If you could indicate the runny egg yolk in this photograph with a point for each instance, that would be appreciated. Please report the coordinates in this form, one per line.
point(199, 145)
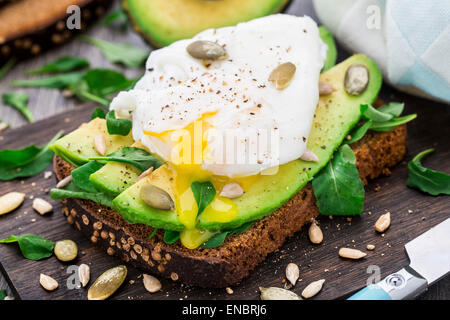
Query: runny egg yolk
point(184, 168)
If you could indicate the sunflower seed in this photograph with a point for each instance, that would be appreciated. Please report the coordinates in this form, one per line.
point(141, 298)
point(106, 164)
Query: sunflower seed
point(64, 182)
point(156, 197)
point(274, 293)
point(325, 88)
point(47, 282)
point(232, 190)
point(383, 222)
point(84, 274)
point(356, 79)
point(3, 126)
point(315, 233)
point(151, 284)
point(370, 247)
point(312, 289)
point(100, 144)
point(309, 156)
point(351, 253)
point(206, 50)
point(66, 250)
point(292, 273)
point(108, 282)
point(42, 206)
point(145, 173)
point(282, 75)
point(11, 201)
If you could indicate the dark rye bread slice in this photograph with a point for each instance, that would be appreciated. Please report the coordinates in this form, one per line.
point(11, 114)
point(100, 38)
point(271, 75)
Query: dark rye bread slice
point(228, 264)
point(29, 27)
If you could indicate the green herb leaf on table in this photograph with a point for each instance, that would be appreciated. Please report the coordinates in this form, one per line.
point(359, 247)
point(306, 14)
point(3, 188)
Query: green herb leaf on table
point(33, 247)
point(170, 237)
point(427, 180)
point(98, 113)
point(25, 162)
point(81, 175)
point(7, 66)
point(337, 187)
point(63, 64)
point(18, 101)
point(72, 191)
point(123, 53)
point(117, 126)
point(204, 193)
point(118, 16)
point(137, 157)
point(2, 294)
point(60, 81)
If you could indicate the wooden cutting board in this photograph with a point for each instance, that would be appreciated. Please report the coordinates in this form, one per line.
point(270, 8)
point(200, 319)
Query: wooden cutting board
point(412, 213)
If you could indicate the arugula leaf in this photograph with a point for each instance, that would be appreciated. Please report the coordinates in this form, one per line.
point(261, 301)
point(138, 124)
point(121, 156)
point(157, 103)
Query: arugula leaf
point(2, 294)
point(81, 90)
point(33, 247)
point(18, 101)
point(60, 81)
point(105, 81)
point(63, 64)
point(98, 113)
point(427, 180)
point(337, 187)
point(137, 157)
point(204, 193)
point(116, 16)
point(81, 175)
point(117, 126)
point(7, 66)
point(391, 124)
point(220, 237)
point(170, 237)
point(393, 108)
point(370, 113)
point(359, 132)
point(126, 54)
point(25, 162)
point(73, 191)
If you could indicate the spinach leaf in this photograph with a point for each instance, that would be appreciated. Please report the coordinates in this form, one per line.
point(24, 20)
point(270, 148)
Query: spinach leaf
point(18, 101)
point(370, 113)
point(204, 193)
point(117, 126)
point(118, 16)
point(105, 81)
point(2, 294)
point(6, 67)
point(98, 113)
point(33, 247)
point(25, 162)
point(170, 237)
point(359, 132)
point(137, 157)
point(60, 81)
point(81, 175)
point(220, 237)
point(73, 191)
point(391, 124)
point(126, 54)
point(427, 180)
point(63, 64)
point(337, 187)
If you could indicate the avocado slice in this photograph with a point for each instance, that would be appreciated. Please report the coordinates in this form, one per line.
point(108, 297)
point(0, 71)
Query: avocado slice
point(328, 39)
point(78, 146)
point(335, 116)
point(162, 22)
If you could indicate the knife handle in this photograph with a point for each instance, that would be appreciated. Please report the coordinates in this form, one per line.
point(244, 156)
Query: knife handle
point(402, 285)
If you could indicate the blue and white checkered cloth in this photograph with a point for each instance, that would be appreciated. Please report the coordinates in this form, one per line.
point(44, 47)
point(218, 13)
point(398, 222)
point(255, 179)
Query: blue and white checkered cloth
point(409, 39)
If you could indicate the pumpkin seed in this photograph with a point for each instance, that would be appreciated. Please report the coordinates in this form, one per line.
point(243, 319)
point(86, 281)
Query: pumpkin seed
point(274, 293)
point(309, 156)
point(156, 197)
point(84, 274)
point(315, 233)
point(206, 50)
point(42, 206)
point(66, 250)
point(292, 273)
point(47, 282)
point(356, 79)
point(282, 75)
point(383, 222)
point(232, 190)
point(353, 254)
point(11, 201)
point(151, 284)
point(108, 282)
point(312, 289)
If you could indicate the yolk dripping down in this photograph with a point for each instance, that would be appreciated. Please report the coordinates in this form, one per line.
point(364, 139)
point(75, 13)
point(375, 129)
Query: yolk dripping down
point(184, 168)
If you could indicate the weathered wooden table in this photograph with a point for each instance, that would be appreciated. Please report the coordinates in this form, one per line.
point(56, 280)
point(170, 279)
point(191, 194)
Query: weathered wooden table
point(44, 103)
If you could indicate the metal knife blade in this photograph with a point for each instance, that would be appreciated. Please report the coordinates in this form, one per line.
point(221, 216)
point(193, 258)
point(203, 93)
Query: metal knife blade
point(429, 253)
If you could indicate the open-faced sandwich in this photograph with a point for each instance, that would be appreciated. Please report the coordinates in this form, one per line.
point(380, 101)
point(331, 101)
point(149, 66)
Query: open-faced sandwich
point(229, 144)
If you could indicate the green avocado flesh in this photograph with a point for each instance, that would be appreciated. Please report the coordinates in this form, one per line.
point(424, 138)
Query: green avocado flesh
point(162, 22)
point(114, 177)
point(78, 146)
point(328, 39)
point(335, 116)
